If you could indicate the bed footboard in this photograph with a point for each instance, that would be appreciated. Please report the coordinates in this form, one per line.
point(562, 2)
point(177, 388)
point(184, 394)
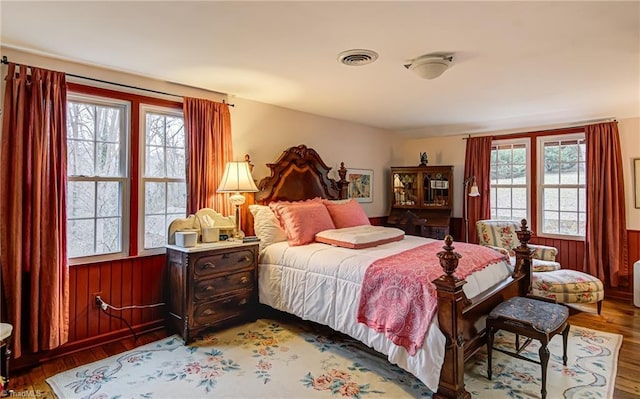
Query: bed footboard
point(458, 316)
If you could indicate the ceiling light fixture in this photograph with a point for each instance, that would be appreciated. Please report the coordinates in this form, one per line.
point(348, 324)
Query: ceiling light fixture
point(357, 57)
point(430, 66)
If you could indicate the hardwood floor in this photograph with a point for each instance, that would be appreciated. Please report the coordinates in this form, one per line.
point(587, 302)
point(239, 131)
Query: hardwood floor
point(617, 317)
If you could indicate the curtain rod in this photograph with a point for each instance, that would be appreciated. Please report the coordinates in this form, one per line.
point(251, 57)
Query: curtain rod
point(572, 126)
point(6, 62)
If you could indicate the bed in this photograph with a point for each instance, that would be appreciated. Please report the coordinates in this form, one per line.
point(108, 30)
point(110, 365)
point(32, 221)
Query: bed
point(322, 283)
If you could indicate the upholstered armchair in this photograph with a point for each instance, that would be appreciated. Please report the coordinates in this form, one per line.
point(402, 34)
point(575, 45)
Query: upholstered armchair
point(501, 236)
point(549, 280)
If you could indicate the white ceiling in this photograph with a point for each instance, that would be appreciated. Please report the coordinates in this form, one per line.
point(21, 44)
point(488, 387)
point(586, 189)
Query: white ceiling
point(517, 64)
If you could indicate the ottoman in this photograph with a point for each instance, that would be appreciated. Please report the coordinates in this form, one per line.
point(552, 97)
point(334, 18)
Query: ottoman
point(568, 286)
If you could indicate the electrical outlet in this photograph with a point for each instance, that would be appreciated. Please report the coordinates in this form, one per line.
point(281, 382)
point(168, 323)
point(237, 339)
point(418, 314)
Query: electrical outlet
point(97, 303)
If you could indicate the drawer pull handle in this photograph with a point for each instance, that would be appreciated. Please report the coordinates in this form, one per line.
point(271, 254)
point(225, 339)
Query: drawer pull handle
point(208, 312)
point(207, 265)
point(243, 302)
point(209, 288)
point(226, 301)
point(244, 280)
point(245, 258)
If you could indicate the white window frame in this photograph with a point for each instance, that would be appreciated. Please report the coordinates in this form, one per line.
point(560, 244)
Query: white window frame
point(123, 179)
point(527, 185)
point(144, 109)
point(541, 186)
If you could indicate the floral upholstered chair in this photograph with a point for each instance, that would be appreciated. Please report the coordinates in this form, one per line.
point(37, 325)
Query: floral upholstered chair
point(548, 279)
point(501, 236)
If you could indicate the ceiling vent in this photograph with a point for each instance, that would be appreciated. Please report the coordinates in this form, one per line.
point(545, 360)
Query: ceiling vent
point(357, 57)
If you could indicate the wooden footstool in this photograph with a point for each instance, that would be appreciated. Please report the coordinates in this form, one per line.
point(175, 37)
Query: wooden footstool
point(538, 319)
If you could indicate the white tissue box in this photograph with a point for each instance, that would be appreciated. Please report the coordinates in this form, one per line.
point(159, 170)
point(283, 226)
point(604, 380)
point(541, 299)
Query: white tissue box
point(186, 238)
point(210, 234)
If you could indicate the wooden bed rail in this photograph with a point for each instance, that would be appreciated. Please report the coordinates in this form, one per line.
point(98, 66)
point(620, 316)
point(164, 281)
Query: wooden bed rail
point(458, 317)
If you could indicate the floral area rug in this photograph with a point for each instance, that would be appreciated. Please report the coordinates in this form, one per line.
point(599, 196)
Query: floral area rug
point(269, 359)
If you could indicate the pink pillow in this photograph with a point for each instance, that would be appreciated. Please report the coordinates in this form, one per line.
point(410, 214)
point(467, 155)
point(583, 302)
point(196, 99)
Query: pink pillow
point(302, 220)
point(347, 214)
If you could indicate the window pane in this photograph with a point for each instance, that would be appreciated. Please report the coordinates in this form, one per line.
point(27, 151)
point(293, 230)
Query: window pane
point(175, 132)
point(568, 199)
point(177, 198)
point(154, 162)
point(107, 159)
point(155, 198)
point(155, 130)
point(80, 199)
point(550, 221)
point(109, 124)
point(109, 198)
point(519, 198)
point(519, 214)
point(107, 235)
point(503, 197)
point(80, 121)
point(550, 199)
point(79, 158)
point(503, 214)
point(155, 231)
point(176, 163)
point(568, 223)
point(80, 237)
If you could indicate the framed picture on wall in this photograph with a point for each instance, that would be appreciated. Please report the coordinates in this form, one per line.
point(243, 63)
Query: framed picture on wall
point(360, 184)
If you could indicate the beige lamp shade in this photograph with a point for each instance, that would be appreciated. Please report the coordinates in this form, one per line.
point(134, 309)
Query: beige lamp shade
point(237, 179)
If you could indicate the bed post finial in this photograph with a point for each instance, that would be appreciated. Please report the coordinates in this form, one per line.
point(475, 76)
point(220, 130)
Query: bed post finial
point(343, 184)
point(524, 255)
point(449, 258)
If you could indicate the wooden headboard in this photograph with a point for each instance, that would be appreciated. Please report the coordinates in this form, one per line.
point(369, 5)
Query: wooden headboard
point(301, 174)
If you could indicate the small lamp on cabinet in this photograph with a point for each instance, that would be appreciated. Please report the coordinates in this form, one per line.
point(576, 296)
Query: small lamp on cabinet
point(237, 179)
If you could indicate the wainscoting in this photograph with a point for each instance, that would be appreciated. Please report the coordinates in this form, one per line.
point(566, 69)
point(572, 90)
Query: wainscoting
point(137, 281)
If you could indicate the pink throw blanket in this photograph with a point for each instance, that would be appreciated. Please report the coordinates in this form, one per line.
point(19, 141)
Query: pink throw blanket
point(398, 296)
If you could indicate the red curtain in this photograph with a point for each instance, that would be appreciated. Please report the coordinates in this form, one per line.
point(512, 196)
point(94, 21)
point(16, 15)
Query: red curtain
point(477, 163)
point(209, 148)
point(35, 274)
point(606, 235)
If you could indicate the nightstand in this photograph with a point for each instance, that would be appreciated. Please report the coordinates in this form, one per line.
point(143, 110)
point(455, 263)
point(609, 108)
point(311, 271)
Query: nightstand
point(211, 285)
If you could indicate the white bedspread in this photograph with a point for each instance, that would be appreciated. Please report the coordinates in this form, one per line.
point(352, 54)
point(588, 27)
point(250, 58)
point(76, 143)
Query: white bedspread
point(321, 283)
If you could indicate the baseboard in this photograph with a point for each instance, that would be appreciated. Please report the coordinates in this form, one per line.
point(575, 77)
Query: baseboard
point(33, 359)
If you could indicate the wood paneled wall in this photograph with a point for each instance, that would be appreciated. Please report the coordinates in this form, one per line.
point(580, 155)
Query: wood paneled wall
point(138, 281)
point(126, 282)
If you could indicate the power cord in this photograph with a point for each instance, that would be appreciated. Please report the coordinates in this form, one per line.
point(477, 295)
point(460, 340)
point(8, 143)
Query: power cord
point(104, 306)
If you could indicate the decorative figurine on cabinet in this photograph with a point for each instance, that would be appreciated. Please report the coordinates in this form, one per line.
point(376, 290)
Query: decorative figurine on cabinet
point(423, 159)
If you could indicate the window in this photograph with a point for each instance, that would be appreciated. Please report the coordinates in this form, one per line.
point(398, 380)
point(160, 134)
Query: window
point(97, 175)
point(562, 176)
point(163, 174)
point(510, 179)
point(126, 178)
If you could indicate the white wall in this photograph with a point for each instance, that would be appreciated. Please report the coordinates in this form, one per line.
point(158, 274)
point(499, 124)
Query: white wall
point(261, 130)
point(450, 150)
point(264, 131)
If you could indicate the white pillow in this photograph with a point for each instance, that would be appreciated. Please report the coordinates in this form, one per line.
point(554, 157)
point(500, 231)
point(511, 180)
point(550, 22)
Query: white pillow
point(266, 226)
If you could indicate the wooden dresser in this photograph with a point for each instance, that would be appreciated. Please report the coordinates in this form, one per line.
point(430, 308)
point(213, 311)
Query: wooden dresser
point(211, 285)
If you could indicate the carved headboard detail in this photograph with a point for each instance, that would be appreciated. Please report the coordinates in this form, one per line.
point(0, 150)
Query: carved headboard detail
point(301, 174)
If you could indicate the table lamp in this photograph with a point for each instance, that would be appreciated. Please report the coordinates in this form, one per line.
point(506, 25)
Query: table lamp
point(237, 179)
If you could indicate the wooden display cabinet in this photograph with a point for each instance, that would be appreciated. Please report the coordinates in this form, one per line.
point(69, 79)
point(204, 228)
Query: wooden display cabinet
point(422, 200)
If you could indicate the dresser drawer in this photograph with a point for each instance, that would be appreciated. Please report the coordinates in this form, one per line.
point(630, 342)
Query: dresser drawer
point(210, 288)
point(224, 262)
point(223, 309)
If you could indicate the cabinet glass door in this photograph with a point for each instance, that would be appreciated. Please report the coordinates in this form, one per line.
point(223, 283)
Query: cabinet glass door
point(436, 189)
point(405, 189)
